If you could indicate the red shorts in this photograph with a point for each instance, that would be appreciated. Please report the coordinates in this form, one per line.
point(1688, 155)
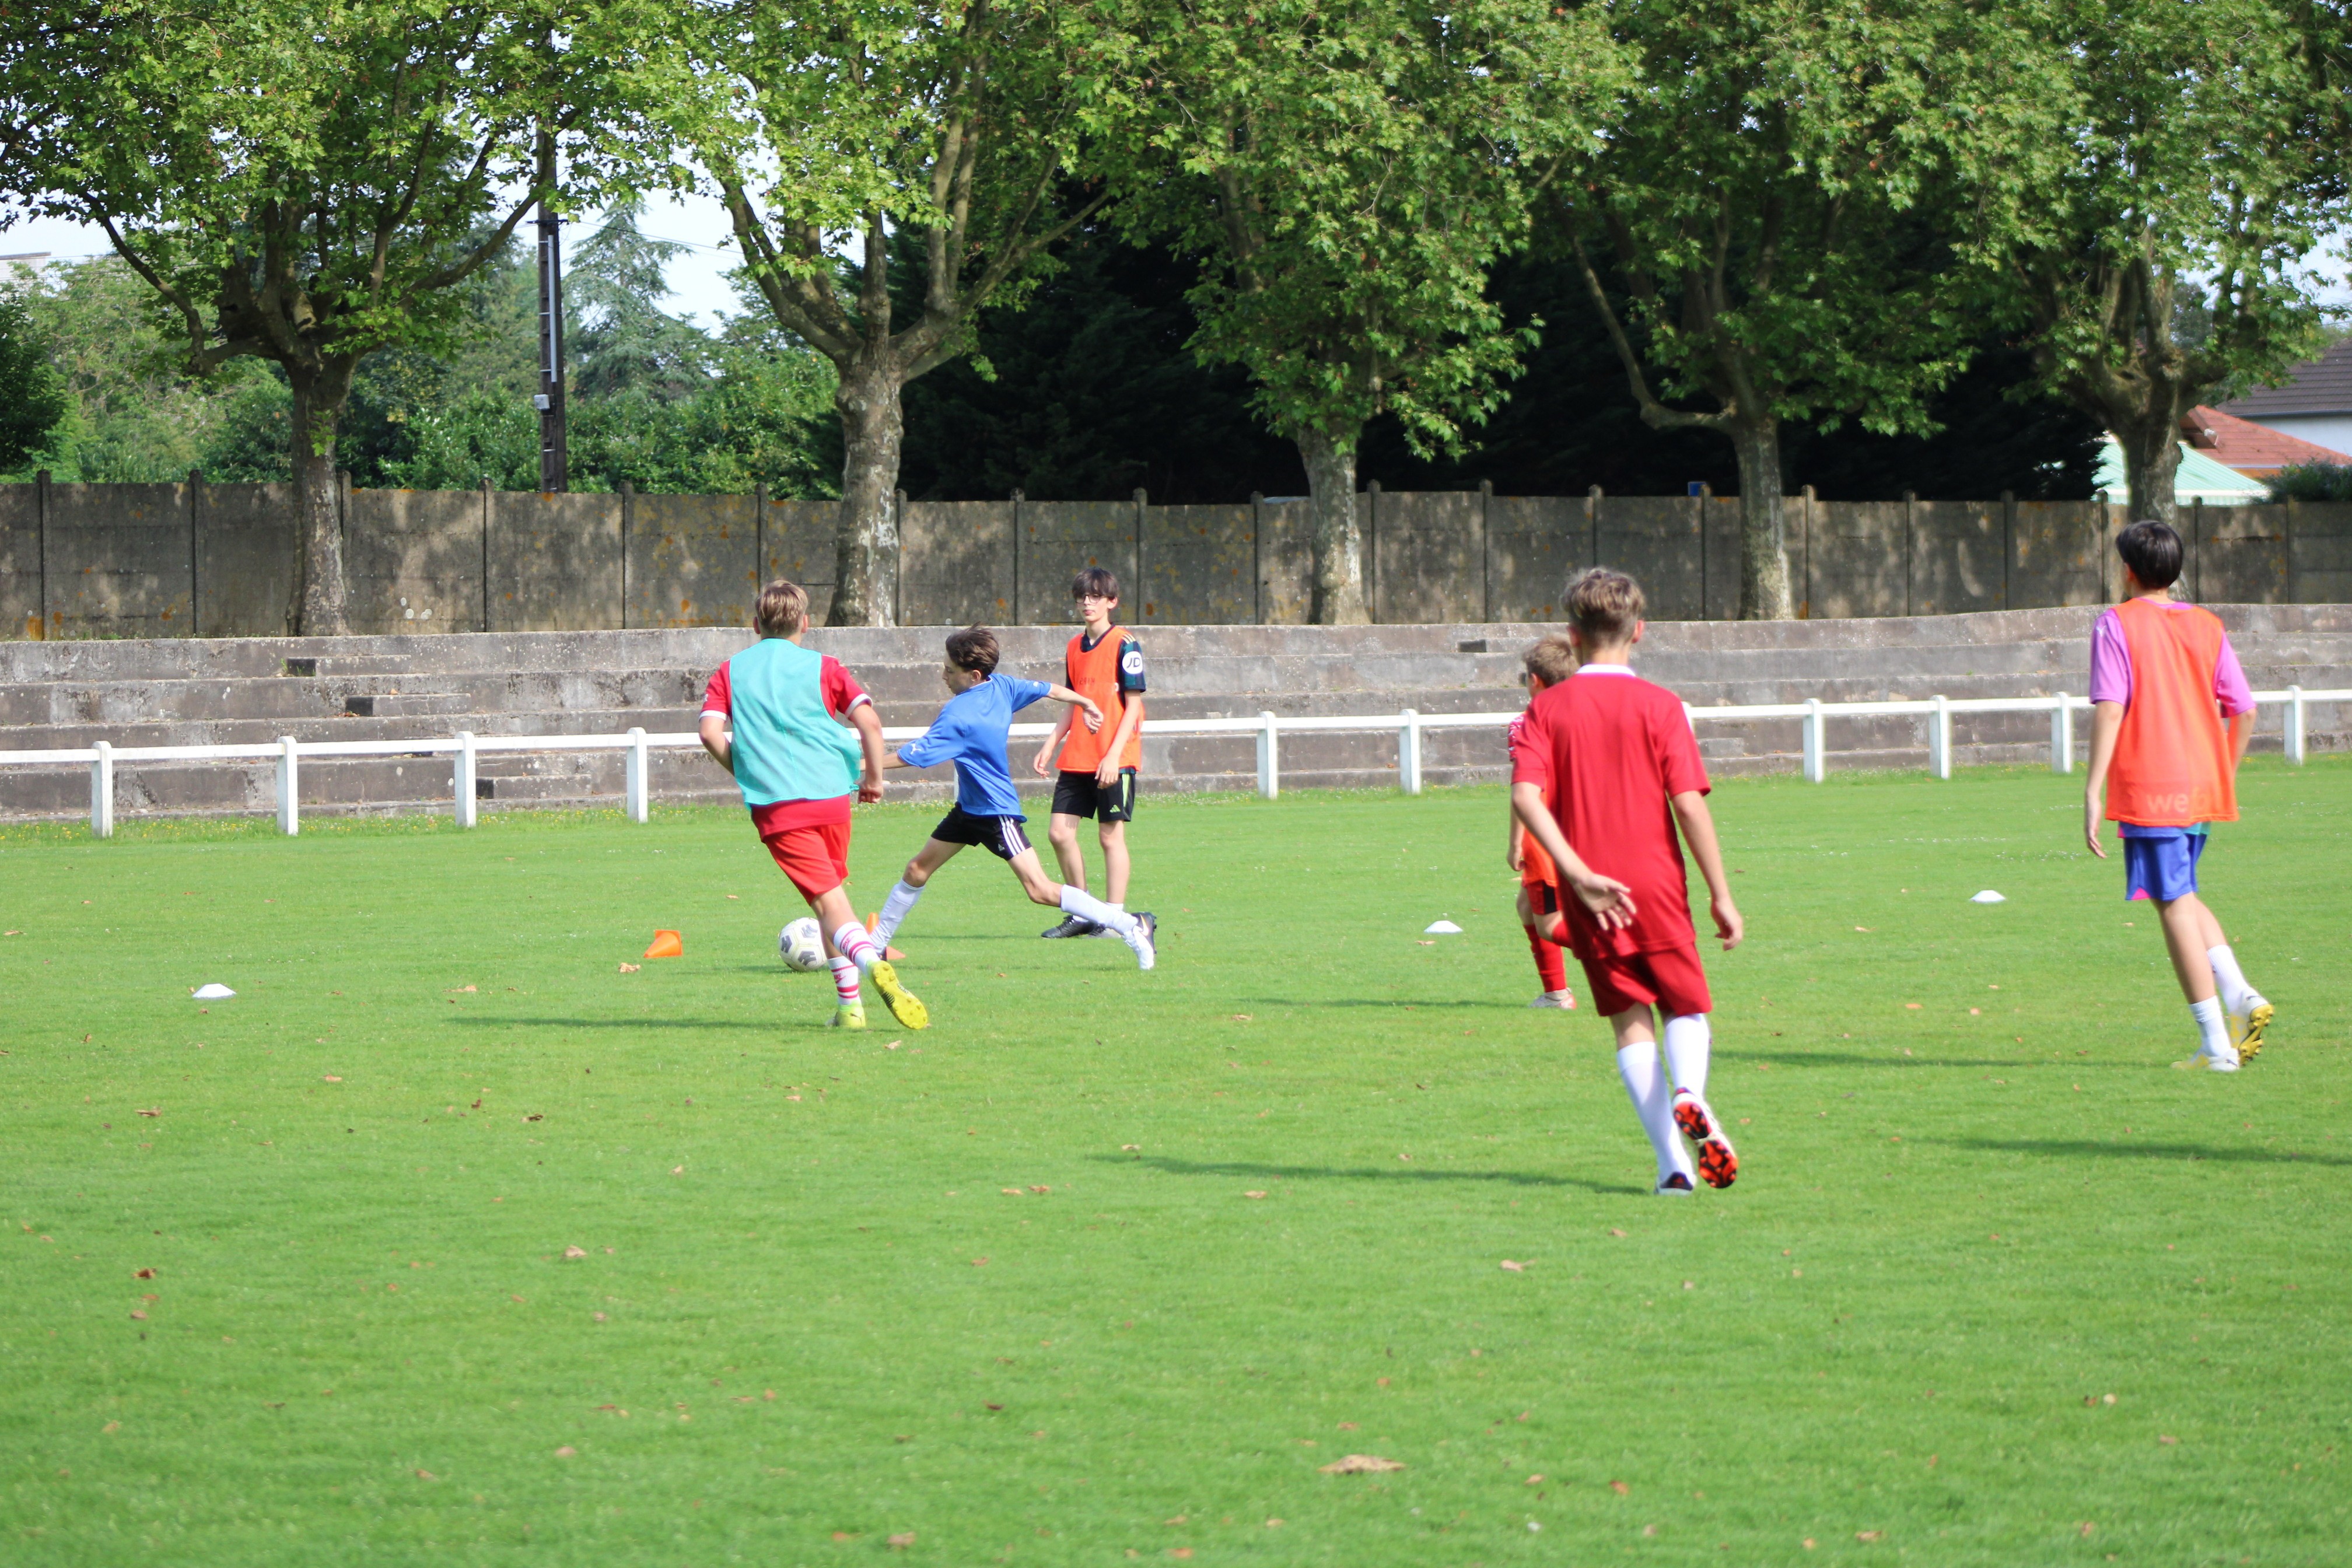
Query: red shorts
point(1543, 898)
point(815, 858)
point(1671, 978)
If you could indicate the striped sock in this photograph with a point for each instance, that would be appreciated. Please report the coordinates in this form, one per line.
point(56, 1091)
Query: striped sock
point(845, 982)
point(861, 950)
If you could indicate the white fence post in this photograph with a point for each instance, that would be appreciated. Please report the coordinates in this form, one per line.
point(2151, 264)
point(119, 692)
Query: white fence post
point(2062, 735)
point(290, 819)
point(2295, 719)
point(101, 792)
point(1270, 758)
point(464, 778)
point(1409, 751)
point(1939, 738)
point(638, 791)
point(1816, 761)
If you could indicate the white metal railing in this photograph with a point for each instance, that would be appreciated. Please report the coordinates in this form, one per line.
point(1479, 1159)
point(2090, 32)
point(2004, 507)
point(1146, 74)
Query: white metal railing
point(466, 747)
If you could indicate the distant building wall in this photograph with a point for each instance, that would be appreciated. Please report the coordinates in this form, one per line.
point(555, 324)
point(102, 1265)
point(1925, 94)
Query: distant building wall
point(206, 560)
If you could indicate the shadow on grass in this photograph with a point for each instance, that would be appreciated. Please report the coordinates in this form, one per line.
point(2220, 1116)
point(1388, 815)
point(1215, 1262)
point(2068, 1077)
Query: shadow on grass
point(1248, 1168)
point(1857, 1060)
point(2088, 1149)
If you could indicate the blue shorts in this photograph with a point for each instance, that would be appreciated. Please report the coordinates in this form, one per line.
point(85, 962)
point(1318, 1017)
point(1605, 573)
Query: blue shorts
point(2161, 865)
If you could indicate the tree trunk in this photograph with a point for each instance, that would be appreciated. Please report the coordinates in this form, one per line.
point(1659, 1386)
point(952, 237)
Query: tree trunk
point(865, 548)
point(2151, 448)
point(1765, 592)
point(321, 602)
point(1341, 598)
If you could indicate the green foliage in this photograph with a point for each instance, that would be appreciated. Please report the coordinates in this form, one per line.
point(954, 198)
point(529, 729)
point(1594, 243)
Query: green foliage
point(2192, 157)
point(1346, 175)
point(32, 397)
point(619, 338)
point(2312, 482)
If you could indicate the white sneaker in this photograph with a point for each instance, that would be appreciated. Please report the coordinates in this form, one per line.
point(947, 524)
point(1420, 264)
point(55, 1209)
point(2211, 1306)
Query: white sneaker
point(2206, 1061)
point(1563, 1000)
point(1139, 942)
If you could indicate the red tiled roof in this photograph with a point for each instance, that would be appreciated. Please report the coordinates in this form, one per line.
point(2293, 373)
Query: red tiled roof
point(2251, 449)
point(2322, 385)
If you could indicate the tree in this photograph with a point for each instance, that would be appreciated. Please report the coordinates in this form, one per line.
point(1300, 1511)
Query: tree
point(1781, 200)
point(824, 121)
point(621, 337)
point(2196, 160)
point(308, 184)
point(1345, 174)
point(32, 395)
point(1092, 394)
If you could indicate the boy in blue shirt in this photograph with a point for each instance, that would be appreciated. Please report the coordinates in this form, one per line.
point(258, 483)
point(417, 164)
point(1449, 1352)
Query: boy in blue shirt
point(970, 732)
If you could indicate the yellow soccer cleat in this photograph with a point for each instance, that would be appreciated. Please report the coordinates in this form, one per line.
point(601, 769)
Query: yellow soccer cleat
point(849, 1015)
point(903, 1004)
point(2247, 1034)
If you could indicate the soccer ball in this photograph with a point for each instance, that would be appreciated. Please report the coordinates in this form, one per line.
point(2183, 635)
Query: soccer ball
point(802, 947)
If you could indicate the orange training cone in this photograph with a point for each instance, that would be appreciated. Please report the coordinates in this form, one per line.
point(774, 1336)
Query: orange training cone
point(666, 945)
point(889, 955)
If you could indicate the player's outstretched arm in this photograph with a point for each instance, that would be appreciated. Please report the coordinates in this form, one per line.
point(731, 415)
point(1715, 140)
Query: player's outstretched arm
point(869, 725)
point(1081, 701)
point(713, 731)
point(1610, 900)
point(2106, 723)
point(1697, 824)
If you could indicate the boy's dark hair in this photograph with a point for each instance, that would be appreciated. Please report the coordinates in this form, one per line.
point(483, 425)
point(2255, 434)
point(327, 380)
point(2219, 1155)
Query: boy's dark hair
point(2152, 550)
point(782, 608)
point(1604, 605)
point(973, 648)
point(1551, 660)
point(1099, 580)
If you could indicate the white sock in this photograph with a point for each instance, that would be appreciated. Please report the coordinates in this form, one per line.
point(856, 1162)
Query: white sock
point(2212, 1030)
point(1687, 1041)
point(845, 982)
point(1638, 1066)
point(856, 946)
point(2237, 997)
point(895, 910)
point(1078, 901)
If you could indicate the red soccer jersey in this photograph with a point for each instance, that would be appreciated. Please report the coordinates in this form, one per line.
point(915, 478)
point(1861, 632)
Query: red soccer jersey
point(1612, 751)
point(842, 694)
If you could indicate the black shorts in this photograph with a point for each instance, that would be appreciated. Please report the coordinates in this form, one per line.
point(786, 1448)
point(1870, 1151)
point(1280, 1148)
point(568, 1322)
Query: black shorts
point(1000, 835)
point(1078, 794)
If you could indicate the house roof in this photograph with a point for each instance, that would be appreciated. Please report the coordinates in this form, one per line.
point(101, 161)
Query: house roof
point(2251, 449)
point(2199, 478)
point(2322, 385)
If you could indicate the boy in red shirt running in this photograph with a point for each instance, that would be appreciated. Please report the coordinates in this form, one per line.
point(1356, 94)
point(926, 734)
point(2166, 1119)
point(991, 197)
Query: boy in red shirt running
point(1549, 663)
point(2163, 766)
point(1616, 755)
point(801, 725)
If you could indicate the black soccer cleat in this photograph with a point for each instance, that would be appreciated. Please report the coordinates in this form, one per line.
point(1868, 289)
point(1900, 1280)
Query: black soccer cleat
point(1073, 925)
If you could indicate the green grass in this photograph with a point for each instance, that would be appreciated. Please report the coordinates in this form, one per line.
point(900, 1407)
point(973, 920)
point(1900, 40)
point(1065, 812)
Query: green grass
point(1958, 1227)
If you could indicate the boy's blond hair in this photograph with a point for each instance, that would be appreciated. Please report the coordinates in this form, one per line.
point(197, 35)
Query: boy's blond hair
point(1551, 660)
point(1605, 605)
point(782, 611)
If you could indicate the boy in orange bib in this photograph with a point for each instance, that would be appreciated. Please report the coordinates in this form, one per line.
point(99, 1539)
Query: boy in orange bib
point(1097, 768)
point(2163, 768)
point(1549, 663)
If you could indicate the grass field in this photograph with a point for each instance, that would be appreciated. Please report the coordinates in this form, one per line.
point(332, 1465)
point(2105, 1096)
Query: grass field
point(1106, 1265)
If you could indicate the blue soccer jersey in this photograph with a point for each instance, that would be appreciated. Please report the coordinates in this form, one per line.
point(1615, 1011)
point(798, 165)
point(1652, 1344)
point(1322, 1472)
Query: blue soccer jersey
point(970, 732)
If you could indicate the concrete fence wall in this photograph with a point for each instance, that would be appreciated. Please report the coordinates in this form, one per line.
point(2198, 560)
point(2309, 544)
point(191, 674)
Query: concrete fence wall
point(196, 559)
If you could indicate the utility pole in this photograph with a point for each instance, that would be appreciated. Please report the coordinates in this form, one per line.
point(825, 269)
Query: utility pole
point(554, 462)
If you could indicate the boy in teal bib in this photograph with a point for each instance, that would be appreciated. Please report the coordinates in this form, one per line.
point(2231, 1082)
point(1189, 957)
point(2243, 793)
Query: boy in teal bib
point(801, 728)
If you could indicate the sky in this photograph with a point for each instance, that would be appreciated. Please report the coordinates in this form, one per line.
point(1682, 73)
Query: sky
point(699, 288)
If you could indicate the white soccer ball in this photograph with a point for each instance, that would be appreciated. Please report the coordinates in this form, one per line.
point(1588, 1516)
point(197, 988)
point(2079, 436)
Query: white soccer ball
point(802, 947)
